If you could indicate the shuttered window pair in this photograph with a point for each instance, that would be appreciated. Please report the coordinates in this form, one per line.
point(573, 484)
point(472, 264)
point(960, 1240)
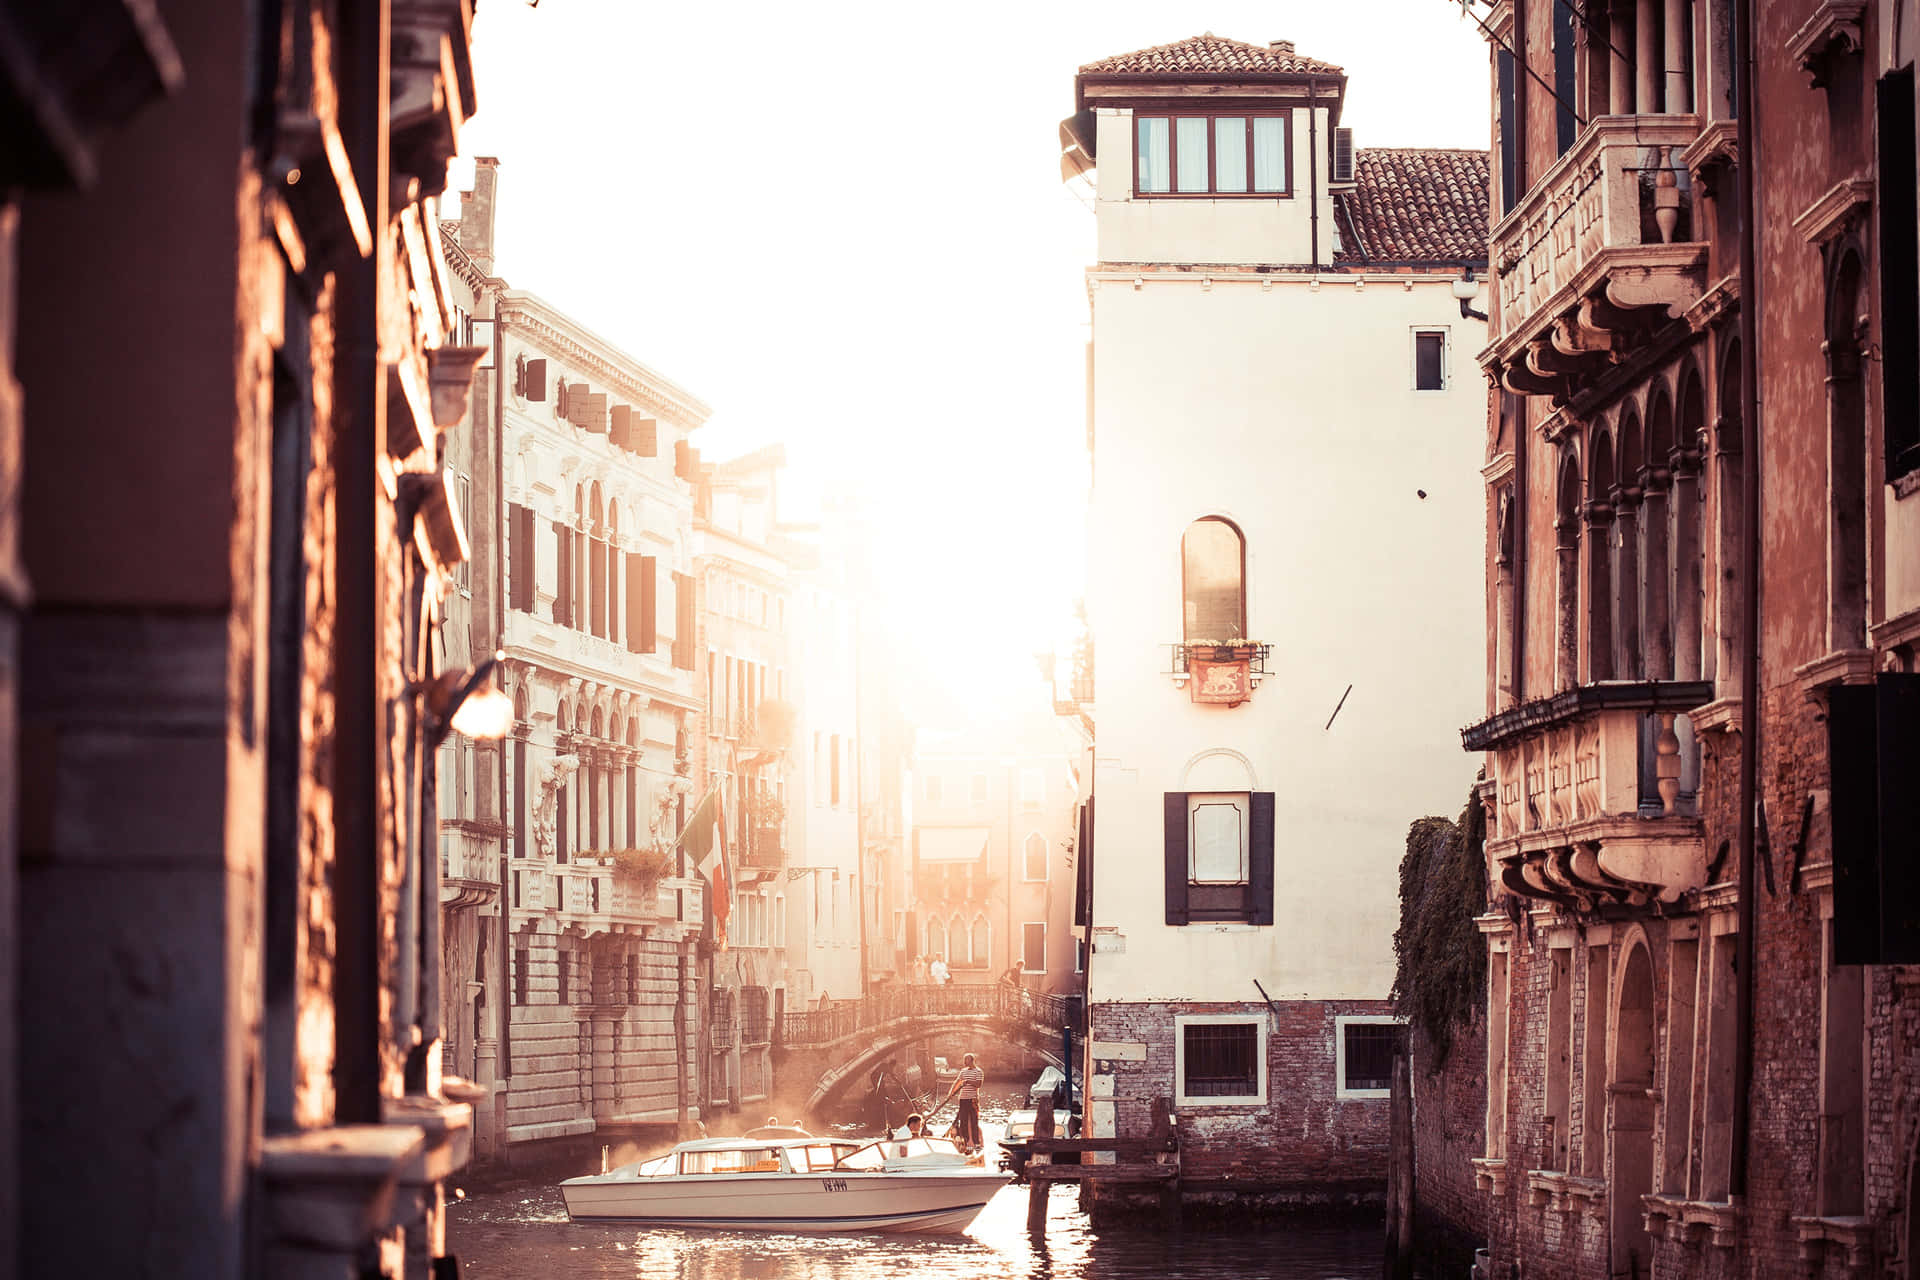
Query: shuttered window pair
point(1219, 856)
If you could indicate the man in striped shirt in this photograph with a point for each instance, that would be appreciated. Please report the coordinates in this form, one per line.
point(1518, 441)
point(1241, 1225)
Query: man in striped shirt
point(967, 1084)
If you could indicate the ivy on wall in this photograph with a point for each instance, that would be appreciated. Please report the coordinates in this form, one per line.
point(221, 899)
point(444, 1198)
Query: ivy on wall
point(1440, 981)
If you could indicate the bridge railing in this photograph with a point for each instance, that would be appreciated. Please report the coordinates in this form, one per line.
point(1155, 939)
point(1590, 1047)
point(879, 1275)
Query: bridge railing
point(839, 1019)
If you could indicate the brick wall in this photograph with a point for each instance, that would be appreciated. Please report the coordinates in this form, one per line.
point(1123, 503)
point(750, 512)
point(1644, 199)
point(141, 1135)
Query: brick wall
point(1305, 1145)
point(1449, 1212)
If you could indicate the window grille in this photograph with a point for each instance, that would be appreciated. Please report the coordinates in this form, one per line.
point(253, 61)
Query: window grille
point(1220, 1060)
point(1369, 1055)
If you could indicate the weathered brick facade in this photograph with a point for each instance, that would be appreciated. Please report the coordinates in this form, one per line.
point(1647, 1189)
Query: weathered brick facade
point(1617, 590)
point(1305, 1145)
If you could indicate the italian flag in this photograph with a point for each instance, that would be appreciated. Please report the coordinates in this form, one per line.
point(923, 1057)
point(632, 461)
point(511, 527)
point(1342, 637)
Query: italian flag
point(705, 837)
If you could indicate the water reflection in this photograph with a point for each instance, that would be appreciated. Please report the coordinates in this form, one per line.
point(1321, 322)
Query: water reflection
point(526, 1233)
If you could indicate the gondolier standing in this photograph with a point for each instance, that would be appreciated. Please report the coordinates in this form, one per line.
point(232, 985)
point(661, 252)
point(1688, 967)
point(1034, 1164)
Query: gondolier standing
point(967, 1085)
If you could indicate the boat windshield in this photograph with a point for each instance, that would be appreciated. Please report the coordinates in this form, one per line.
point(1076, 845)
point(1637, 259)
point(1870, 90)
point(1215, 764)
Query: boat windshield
point(877, 1155)
point(816, 1156)
point(653, 1168)
point(731, 1160)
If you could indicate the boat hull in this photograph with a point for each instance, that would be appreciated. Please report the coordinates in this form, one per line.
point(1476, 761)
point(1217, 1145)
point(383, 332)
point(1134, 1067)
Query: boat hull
point(905, 1202)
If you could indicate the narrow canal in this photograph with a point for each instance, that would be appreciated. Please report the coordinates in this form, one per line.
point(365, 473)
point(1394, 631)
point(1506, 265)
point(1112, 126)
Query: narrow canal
point(521, 1230)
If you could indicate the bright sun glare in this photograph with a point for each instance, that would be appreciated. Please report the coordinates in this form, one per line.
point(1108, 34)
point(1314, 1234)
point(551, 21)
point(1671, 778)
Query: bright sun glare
point(845, 229)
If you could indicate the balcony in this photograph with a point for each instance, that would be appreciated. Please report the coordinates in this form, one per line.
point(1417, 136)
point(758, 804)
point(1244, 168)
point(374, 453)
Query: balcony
point(1603, 251)
point(765, 846)
point(1224, 673)
point(1594, 795)
point(469, 865)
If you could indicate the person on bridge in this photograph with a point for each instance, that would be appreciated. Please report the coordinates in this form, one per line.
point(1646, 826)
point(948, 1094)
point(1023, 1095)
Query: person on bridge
point(938, 971)
point(966, 1121)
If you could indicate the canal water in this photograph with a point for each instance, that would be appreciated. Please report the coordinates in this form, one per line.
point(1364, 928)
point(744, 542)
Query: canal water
point(521, 1230)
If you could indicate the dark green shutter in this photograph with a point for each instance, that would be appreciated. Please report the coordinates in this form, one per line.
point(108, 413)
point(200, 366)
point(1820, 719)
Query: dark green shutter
point(1260, 860)
point(1176, 833)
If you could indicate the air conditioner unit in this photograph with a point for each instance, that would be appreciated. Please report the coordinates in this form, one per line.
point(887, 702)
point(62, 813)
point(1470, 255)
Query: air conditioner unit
point(1342, 155)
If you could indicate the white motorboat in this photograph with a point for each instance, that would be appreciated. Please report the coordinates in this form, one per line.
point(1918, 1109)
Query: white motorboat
point(793, 1184)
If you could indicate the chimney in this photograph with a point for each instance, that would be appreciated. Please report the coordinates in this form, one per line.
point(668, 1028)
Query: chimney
point(476, 212)
point(1281, 46)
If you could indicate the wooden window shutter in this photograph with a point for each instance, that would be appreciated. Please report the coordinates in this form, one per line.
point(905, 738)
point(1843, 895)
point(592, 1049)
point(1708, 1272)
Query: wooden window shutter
point(1260, 859)
point(641, 628)
point(612, 556)
point(575, 409)
point(1897, 744)
point(1856, 873)
point(683, 621)
point(683, 459)
point(563, 592)
point(646, 437)
point(1176, 824)
point(596, 415)
point(516, 557)
point(620, 433)
point(533, 380)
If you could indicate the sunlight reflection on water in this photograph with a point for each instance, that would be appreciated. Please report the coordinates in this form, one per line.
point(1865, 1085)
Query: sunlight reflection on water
point(525, 1232)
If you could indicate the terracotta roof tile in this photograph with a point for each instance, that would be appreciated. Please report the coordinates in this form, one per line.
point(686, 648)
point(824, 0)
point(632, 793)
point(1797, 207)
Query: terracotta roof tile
point(1412, 204)
point(1210, 55)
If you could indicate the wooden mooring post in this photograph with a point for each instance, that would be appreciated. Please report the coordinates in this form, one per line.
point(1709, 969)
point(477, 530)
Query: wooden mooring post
point(1154, 1159)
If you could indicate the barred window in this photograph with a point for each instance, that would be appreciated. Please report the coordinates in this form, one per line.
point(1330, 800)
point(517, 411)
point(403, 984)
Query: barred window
point(1220, 1060)
point(1366, 1056)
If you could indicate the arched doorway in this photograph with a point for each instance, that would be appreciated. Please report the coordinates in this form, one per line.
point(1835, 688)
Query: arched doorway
point(1630, 1122)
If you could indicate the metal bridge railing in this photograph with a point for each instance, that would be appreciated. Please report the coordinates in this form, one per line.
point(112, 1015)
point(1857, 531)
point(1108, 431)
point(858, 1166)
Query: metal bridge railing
point(842, 1018)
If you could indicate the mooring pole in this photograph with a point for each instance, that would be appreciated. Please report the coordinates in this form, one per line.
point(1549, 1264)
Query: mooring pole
point(1037, 1188)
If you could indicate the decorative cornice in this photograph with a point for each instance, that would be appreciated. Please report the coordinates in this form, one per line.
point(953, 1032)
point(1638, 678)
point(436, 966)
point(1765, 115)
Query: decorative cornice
point(1830, 215)
point(1721, 297)
point(535, 319)
point(457, 260)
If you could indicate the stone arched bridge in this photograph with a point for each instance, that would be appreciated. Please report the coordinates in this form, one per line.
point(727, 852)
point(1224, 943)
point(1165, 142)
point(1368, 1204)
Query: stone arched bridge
point(823, 1053)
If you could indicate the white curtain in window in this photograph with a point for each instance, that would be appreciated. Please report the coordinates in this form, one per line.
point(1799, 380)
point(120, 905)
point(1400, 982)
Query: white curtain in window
point(1191, 145)
point(1218, 845)
point(1154, 154)
point(1270, 153)
point(1230, 154)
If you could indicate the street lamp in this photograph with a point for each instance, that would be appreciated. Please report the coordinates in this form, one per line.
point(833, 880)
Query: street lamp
point(467, 702)
point(1465, 290)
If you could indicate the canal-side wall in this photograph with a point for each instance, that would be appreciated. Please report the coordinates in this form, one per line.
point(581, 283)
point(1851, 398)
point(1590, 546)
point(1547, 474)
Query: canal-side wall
point(599, 1055)
point(1303, 1141)
point(1449, 1101)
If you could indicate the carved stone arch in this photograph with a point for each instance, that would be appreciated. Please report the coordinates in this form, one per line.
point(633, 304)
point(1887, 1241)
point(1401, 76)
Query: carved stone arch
point(1629, 455)
point(1601, 476)
point(1604, 650)
point(1632, 1070)
point(1567, 526)
point(1219, 769)
point(596, 510)
point(1847, 309)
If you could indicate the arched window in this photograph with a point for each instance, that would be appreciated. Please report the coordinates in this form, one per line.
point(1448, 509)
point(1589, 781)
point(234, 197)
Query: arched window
point(1656, 596)
point(977, 943)
point(1728, 486)
point(1691, 660)
point(594, 772)
point(519, 758)
point(1036, 856)
point(1847, 304)
point(936, 939)
point(597, 562)
point(577, 561)
point(1213, 560)
point(1567, 623)
point(562, 810)
point(1603, 581)
point(610, 551)
point(1630, 461)
point(636, 832)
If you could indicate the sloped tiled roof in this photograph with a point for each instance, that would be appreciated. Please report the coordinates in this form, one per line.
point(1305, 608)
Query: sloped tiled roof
point(1414, 204)
point(1210, 55)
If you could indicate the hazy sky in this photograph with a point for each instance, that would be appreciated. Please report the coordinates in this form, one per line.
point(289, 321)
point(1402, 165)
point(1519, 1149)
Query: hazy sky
point(843, 227)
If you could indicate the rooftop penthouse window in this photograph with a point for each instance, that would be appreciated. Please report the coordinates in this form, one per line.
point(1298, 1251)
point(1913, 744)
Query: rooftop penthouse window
point(1243, 155)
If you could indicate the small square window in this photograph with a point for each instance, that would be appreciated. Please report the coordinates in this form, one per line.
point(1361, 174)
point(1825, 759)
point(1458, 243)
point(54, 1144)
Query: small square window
point(1430, 360)
point(1366, 1046)
point(1220, 1060)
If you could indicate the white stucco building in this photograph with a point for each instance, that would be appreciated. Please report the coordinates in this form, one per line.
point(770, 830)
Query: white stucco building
point(1286, 429)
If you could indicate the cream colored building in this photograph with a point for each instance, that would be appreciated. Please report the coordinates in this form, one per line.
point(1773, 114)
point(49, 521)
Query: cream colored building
point(600, 629)
point(1286, 429)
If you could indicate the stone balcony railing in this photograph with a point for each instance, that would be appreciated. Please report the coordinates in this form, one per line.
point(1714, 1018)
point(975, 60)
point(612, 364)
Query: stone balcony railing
point(469, 866)
point(1604, 248)
point(1593, 795)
